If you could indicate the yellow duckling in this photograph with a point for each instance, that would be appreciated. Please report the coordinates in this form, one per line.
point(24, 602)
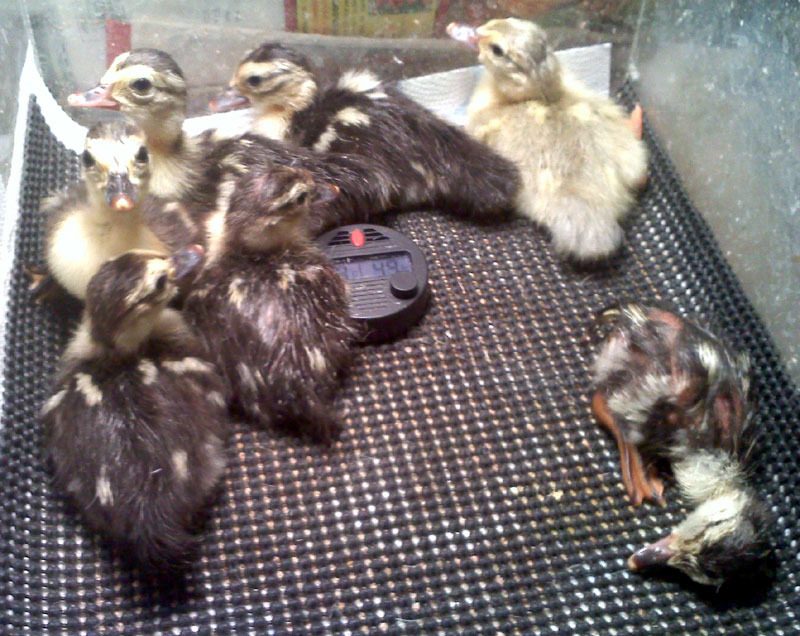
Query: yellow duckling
point(103, 215)
point(580, 163)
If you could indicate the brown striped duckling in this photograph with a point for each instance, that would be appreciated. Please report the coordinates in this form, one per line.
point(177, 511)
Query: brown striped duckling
point(669, 390)
point(430, 162)
point(272, 310)
point(148, 86)
point(135, 427)
point(580, 163)
point(103, 215)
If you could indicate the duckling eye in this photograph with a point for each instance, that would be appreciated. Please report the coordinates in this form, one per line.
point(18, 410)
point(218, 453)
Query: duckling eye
point(302, 198)
point(254, 80)
point(141, 85)
point(161, 283)
point(496, 50)
point(86, 159)
point(142, 156)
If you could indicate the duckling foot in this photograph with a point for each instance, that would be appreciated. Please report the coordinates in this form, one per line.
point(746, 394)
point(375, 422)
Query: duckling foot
point(636, 121)
point(656, 486)
point(638, 484)
point(41, 285)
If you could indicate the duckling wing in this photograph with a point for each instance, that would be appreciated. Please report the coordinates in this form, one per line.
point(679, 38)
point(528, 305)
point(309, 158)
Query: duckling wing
point(279, 329)
point(138, 446)
point(428, 161)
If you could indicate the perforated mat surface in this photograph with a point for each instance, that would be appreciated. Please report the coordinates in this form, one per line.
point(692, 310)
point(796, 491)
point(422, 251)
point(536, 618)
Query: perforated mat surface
point(471, 491)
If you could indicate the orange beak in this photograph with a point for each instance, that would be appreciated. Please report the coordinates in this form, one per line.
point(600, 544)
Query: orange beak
point(230, 99)
point(98, 97)
point(463, 33)
point(122, 202)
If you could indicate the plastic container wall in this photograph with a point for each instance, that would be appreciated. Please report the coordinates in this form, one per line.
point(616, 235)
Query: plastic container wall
point(720, 84)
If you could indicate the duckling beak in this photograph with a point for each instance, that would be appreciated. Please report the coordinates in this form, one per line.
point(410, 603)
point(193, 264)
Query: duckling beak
point(98, 97)
point(658, 553)
point(608, 315)
point(187, 261)
point(327, 193)
point(230, 99)
point(464, 33)
point(120, 193)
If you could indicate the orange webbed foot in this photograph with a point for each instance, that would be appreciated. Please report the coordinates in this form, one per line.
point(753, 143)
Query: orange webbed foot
point(636, 121)
point(41, 285)
point(639, 484)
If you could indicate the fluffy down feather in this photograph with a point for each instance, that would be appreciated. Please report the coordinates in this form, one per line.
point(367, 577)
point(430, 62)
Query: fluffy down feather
point(579, 161)
point(271, 308)
point(430, 162)
point(135, 428)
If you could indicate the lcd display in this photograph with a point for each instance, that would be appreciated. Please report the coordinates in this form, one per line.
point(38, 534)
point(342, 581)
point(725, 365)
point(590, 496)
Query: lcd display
point(378, 266)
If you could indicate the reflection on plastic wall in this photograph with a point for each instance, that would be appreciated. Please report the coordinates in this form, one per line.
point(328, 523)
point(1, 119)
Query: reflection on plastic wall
point(12, 56)
point(720, 81)
point(400, 38)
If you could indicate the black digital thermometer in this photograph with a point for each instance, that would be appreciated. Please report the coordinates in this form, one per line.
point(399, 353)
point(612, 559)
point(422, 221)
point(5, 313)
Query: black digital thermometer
point(387, 275)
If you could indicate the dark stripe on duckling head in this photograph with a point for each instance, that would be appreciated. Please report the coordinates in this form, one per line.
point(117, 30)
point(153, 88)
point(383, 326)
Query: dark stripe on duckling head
point(269, 207)
point(271, 51)
point(135, 279)
point(279, 85)
point(155, 59)
point(114, 130)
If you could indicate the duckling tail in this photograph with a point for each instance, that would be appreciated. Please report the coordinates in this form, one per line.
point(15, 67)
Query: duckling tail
point(579, 231)
point(477, 183)
point(160, 544)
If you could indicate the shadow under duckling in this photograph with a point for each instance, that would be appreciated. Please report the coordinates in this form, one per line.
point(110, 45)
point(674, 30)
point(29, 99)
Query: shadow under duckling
point(270, 306)
point(104, 214)
point(430, 163)
point(136, 426)
point(669, 390)
point(579, 156)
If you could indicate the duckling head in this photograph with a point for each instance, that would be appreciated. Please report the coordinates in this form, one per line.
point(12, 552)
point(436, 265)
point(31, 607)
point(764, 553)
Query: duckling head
point(148, 86)
point(271, 78)
point(723, 539)
point(116, 166)
point(517, 56)
point(268, 209)
point(126, 296)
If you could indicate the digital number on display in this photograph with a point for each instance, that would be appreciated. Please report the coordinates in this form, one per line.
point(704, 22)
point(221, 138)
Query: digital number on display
point(381, 266)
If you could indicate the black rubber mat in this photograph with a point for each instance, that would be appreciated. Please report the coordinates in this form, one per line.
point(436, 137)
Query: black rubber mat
point(471, 491)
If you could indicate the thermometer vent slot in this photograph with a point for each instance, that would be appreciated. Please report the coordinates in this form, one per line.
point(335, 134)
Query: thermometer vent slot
point(341, 238)
point(372, 235)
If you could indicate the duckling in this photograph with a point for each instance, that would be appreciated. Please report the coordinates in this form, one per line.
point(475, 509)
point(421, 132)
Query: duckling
point(103, 215)
point(669, 390)
point(580, 162)
point(363, 189)
point(431, 163)
point(148, 86)
point(136, 425)
point(272, 309)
